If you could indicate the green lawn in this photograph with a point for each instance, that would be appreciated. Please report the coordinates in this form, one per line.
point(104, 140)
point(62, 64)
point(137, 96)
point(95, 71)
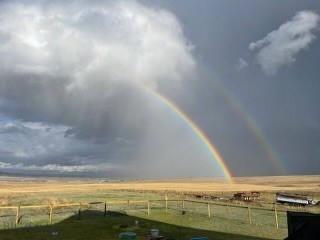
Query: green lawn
point(225, 222)
point(94, 226)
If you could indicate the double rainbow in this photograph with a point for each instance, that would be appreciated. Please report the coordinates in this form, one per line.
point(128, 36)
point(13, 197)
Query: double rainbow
point(216, 155)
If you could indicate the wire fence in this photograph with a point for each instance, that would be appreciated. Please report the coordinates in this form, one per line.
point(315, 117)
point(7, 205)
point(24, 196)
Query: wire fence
point(36, 215)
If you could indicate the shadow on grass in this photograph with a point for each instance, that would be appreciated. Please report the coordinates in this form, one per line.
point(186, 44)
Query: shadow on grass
point(92, 225)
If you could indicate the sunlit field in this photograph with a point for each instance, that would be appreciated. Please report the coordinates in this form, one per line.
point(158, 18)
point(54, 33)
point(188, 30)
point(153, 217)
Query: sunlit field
point(228, 219)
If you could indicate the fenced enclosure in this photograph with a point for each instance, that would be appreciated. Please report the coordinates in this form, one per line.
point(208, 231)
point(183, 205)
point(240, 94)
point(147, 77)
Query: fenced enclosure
point(36, 215)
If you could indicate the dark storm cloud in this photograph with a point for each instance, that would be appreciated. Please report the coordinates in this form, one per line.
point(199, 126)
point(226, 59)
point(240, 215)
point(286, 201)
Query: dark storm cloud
point(73, 70)
point(38, 149)
point(44, 98)
point(10, 128)
point(47, 74)
point(92, 98)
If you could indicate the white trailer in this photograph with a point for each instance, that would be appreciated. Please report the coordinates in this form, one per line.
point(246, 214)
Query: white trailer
point(294, 199)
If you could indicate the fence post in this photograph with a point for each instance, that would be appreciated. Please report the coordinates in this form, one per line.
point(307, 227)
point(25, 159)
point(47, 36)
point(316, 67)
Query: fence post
point(182, 204)
point(276, 216)
point(50, 213)
point(128, 202)
point(209, 211)
point(79, 211)
point(148, 208)
point(18, 215)
point(249, 215)
point(105, 209)
point(166, 198)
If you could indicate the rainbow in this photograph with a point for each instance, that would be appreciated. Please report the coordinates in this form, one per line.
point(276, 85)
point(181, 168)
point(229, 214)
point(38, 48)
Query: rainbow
point(238, 109)
point(252, 125)
point(196, 129)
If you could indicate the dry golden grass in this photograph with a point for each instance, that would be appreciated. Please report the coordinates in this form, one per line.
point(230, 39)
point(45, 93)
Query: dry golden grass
point(31, 192)
point(263, 184)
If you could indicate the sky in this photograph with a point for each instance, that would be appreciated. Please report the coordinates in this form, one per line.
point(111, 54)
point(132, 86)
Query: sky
point(76, 78)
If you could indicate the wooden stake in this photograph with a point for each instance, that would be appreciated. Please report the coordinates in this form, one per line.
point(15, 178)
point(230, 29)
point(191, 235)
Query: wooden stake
point(105, 209)
point(79, 211)
point(249, 215)
point(276, 216)
point(18, 215)
point(148, 208)
point(50, 214)
point(182, 204)
point(166, 198)
point(209, 211)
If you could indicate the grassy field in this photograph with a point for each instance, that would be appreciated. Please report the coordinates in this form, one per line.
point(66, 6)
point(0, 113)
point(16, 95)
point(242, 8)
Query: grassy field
point(225, 222)
point(171, 224)
point(285, 183)
point(94, 226)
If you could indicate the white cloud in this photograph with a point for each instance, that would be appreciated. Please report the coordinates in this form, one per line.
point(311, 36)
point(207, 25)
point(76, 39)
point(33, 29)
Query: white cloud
point(242, 64)
point(280, 47)
point(57, 168)
point(94, 43)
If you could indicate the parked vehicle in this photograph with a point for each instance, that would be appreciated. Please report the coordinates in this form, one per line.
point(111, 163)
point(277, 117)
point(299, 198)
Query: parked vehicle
point(295, 199)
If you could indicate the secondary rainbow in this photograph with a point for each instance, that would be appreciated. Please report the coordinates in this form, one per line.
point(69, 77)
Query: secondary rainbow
point(252, 125)
point(196, 129)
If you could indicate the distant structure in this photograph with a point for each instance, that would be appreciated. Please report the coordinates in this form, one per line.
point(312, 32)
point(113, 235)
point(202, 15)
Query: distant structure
point(295, 199)
point(201, 196)
point(246, 196)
